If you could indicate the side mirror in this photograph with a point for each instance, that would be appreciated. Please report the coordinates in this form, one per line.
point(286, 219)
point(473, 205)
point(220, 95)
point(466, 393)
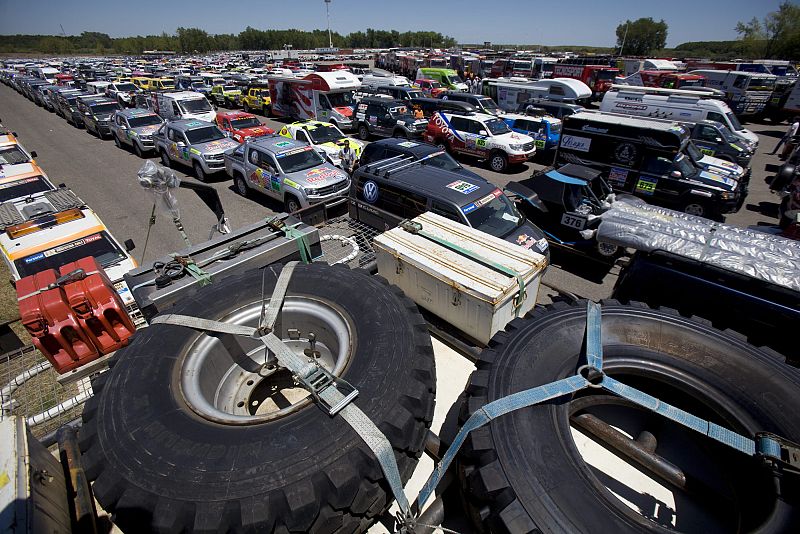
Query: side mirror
point(676, 174)
point(34, 154)
point(129, 245)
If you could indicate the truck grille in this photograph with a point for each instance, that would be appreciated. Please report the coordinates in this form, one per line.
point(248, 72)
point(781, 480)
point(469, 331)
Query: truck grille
point(215, 157)
point(527, 146)
point(330, 189)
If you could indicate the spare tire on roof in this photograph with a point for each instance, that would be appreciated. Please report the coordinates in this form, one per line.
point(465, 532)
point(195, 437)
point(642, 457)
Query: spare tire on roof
point(536, 470)
point(185, 435)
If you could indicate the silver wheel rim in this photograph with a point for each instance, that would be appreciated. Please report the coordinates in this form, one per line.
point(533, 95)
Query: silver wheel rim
point(198, 170)
point(497, 163)
point(292, 205)
point(241, 186)
point(694, 209)
point(607, 249)
point(244, 387)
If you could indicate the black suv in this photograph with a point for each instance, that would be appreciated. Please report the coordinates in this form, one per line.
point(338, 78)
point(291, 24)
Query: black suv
point(559, 110)
point(386, 192)
point(429, 106)
point(429, 155)
point(401, 93)
point(386, 117)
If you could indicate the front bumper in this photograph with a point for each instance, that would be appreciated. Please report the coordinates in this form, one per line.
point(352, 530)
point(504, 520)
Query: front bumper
point(521, 158)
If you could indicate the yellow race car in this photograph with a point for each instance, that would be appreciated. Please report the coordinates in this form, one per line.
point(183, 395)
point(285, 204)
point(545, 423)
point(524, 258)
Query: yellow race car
point(323, 136)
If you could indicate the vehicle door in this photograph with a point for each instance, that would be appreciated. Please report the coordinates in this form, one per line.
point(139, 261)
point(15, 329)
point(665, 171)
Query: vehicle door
point(707, 139)
point(655, 182)
point(460, 129)
point(476, 138)
point(178, 148)
point(373, 117)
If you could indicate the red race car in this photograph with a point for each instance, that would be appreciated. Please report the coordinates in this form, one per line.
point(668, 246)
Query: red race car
point(242, 125)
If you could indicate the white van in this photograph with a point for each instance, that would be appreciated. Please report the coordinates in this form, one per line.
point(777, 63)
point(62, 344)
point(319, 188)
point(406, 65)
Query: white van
point(674, 104)
point(512, 93)
point(377, 77)
point(183, 105)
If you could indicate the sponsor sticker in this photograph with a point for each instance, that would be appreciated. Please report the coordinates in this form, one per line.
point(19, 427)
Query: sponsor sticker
point(282, 144)
point(574, 142)
point(408, 144)
point(290, 183)
point(618, 176)
point(462, 187)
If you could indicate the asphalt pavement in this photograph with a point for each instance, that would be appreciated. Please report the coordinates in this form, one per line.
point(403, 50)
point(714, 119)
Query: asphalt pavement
point(105, 177)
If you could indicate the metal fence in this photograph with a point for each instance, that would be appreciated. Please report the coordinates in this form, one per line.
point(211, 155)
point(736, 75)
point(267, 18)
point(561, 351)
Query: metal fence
point(30, 389)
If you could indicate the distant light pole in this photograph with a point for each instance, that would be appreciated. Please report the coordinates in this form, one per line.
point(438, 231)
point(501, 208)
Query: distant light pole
point(328, 13)
point(624, 37)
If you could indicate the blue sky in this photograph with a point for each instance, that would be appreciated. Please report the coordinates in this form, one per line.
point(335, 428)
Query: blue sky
point(580, 22)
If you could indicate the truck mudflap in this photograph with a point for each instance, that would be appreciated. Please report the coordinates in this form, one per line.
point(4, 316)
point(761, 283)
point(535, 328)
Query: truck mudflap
point(55, 330)
point(97, 306)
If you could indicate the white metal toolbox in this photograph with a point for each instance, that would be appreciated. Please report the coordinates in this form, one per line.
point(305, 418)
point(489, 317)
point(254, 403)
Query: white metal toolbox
point(474, 281)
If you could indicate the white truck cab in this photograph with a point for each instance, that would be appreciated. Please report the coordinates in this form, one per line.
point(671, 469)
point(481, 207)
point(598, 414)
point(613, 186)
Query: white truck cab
point(180, 105)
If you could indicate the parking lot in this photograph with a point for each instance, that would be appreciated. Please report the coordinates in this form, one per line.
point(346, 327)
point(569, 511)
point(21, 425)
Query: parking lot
point(105, 177)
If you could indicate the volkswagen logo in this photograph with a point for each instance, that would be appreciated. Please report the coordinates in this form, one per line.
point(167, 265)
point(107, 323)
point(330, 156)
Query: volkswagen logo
point(370, 191)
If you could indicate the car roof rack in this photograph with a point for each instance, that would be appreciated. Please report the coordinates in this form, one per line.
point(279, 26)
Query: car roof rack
point(24, 209)
point(386, 167)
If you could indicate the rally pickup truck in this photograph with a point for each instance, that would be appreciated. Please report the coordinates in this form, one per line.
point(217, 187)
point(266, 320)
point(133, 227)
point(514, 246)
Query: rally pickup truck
point(287, 170)
point(255, 98)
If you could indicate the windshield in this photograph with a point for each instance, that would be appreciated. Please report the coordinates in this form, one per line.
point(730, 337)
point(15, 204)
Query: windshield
point(325, 134)
point(104, 109)
point(761, 84)
point(414, 94)
point(198, 84)
point(694, 152)
point(125, 87)
point(453, 79)
point(489, 105)
point(229, 88)
point(167, 84)
point(11, 155)
point(98, 245)
point(728, 135)
point(205, 134)
point(442, 160)
point(195, 105)
point(340, 100)
point(734, 122)
point(497, 217)
point(23, 188)
point(606, 74)
point(497, 126)
point(684, 165)
point(246, 122)
point(147, 120)
point(300, 161)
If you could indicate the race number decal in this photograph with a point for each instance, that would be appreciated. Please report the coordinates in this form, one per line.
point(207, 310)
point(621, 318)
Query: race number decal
point(573, 221)
point(646, 186)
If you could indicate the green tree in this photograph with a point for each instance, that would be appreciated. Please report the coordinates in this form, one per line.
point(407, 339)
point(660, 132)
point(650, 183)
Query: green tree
point(642, 36)
point(778, 35)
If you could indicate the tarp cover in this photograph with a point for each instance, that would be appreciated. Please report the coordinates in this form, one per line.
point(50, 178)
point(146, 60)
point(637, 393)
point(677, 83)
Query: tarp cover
point(635, 224)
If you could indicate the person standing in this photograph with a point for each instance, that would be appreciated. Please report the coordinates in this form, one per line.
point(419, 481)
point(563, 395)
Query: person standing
point(468, 81)
point(791, 132)
point(347, 157)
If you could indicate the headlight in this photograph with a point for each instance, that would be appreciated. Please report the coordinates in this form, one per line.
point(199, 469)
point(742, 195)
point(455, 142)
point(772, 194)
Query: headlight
point(516, 147)
point(728, 195)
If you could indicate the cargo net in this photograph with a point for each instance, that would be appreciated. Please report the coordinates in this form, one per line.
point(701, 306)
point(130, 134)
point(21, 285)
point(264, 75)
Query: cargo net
point(347, 241)
point(30, 389)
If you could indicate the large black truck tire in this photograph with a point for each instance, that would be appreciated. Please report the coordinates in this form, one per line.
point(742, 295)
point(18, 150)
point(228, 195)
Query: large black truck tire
point(161, 462)
point(524, 473)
